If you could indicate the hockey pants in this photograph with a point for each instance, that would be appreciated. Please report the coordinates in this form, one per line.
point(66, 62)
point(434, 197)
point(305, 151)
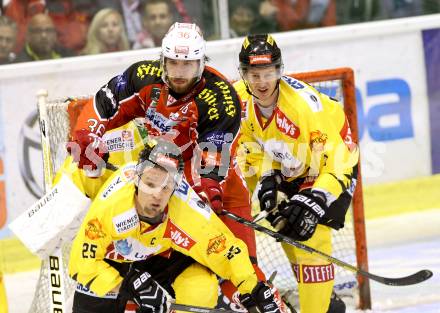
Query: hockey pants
point(315, 276)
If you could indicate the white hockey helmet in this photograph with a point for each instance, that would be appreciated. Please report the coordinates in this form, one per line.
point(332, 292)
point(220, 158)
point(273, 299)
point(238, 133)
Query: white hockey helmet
point(184, 41)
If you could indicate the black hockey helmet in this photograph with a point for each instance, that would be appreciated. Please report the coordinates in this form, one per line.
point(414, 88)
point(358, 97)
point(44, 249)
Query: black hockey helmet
point(164, 154)
point(259, 50)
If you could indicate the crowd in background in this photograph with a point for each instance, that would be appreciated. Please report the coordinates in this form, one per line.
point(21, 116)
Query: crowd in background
point(32, 30)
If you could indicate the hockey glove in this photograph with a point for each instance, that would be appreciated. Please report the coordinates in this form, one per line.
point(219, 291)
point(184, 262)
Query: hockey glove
point(210, 191)
point(141, 288)
point(88, 150)
point(260, 300)
point(268, 191)
point(302, 213)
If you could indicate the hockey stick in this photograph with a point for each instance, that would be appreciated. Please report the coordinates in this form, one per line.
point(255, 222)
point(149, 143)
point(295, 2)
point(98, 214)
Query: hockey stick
point(400, 281)
point(197, 309)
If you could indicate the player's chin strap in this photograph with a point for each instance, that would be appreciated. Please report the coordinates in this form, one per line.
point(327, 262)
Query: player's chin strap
point(152, 220)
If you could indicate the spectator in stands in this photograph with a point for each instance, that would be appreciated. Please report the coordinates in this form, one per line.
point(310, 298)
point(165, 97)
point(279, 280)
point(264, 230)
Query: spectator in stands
point(400, 8)
point(41, 41)
point(70, 17)
point(355, 11)
point(243, 17)
point(106, 33)
point(431, 6)
point(282, 14)
point(130, 11)
point(320, 13)
point(8, 34)
point(156, 20)
point(21, 11)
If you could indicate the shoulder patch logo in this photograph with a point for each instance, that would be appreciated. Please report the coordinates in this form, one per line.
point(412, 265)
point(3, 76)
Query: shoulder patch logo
point(94, 230)
point(216, 244)
point(286, 126)
point(318, 140)
point(129, 173)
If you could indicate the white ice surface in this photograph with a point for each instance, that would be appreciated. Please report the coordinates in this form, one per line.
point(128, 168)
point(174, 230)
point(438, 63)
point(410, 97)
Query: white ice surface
point(397, 246)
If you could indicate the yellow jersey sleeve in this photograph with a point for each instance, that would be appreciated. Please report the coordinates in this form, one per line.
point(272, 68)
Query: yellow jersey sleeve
point(328, 144)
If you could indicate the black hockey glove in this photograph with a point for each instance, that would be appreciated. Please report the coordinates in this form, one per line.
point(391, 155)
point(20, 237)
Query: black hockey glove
point(260, 300)
point(144, 291)
point(302, 213)
point(268, 191)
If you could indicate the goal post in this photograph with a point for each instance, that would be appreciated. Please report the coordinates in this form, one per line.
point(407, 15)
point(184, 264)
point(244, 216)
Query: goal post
point(349, 243)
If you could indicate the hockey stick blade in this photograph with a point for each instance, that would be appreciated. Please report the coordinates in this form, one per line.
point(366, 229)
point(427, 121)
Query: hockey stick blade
point(197, 309)
point(415, 278)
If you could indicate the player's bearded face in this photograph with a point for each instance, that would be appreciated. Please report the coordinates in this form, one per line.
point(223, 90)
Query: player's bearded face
point(181, 74)
point(263, 81)
point(155, 188)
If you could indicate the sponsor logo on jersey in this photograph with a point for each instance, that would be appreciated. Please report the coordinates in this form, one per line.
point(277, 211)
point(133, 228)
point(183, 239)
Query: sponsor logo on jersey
point(114, 185)
point(128, 172)
point(94, 230)
point(121, 140)
point(183, 189)
point(227, 101)
point(200, 206)
point(317, 273)
point(159, 121)
point(148, 70)
point(170, 100)
point(123, 247)
point(178, 236)
point(286, 126)
point(216, 244)
point(131, 249)
point(210, 98)
point(317, 140)
point(126, 221)
point(85, 290)
point(296, 84)
point(219, 138)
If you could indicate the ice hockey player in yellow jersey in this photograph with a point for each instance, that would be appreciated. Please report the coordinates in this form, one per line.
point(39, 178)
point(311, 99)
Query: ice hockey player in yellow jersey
point(296, 140)
point(147, 234)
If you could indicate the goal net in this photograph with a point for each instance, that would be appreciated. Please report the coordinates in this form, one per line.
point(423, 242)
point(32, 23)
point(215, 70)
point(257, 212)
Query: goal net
point(349, 243)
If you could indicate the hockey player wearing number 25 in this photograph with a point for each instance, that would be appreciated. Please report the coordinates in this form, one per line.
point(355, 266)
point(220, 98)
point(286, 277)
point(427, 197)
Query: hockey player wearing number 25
point(152, 237)
point(297, 141)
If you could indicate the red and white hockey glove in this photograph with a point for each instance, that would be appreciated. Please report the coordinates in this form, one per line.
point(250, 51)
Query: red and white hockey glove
point(88, 150)
point(210, 191)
